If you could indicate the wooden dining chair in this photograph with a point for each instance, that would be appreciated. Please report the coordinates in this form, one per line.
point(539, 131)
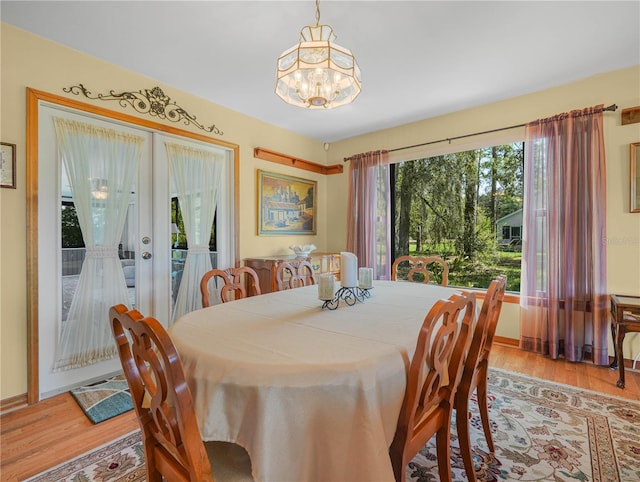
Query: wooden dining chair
point(434, 373)
point(173, 448)
point(475, 372)
point(233, 284)
point(419, 265)
point(299, 272)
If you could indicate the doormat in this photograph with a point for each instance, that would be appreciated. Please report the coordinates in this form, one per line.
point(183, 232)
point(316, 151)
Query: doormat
point(104, 400)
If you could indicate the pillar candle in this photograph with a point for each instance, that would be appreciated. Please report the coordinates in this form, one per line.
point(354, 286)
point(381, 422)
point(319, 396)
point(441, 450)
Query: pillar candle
point(325, 286)
point(365, 278)
point(348, 269)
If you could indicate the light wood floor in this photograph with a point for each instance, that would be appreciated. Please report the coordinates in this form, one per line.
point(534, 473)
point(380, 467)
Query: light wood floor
point(52, 431)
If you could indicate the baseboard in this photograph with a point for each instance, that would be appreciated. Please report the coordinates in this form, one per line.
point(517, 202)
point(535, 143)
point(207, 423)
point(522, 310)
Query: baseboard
point(628, 364)
point(503, 340)
point(13, 403)
point(514, 342)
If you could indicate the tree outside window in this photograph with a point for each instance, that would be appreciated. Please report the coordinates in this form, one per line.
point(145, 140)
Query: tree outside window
point(449, 206)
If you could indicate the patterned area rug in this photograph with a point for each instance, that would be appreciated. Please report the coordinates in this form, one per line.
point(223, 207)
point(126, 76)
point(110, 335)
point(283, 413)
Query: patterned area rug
point(542, 432)
point(104, 400)
point(545, 431)
point(117, 461)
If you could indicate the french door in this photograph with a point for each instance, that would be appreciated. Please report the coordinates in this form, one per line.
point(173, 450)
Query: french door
point(145, 250)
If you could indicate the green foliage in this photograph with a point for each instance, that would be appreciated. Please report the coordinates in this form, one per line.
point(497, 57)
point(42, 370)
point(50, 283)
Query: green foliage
point(448, 206)
point(179, 240)
point(71, 232)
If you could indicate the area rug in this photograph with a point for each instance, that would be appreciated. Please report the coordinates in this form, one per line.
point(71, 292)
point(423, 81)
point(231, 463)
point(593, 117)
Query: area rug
point(542, 432)
point(545, 431)
point(104, 400)
point(118, 460)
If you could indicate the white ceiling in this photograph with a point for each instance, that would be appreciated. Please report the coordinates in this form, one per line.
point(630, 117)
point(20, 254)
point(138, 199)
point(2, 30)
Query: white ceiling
point(419, 59)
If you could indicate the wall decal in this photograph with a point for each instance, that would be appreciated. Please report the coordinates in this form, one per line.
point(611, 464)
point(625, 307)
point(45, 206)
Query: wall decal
point(150, 101)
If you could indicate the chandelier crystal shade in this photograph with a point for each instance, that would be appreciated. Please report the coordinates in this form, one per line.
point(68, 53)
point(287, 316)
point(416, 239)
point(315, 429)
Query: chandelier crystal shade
point(317, 73)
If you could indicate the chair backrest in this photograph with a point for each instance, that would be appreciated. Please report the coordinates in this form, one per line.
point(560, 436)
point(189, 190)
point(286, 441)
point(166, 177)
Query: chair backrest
point(475, 372)
point(434, 373)
point(420, 265)
point(485, 328)
point(173, 447)
point(299, 272)
point(233, 284)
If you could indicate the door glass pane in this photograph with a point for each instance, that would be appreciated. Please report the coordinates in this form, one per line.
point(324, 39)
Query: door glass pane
point(127, 250)
point(73, 247)
point(179, 247)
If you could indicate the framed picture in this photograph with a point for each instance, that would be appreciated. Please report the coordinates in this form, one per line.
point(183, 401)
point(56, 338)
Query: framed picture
point(8, 165)
point(286, 204)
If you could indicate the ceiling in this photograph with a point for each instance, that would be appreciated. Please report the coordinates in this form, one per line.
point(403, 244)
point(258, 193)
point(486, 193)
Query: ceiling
point(419, 59)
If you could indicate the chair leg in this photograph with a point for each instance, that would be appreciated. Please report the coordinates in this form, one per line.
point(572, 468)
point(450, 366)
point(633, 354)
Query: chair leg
point(397, 458)
point(484, 408)
point(153, 474)
point(464, 440)
point(443, 449)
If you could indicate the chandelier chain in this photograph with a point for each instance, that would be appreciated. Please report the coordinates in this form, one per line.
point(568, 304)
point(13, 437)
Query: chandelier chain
point(317, 12)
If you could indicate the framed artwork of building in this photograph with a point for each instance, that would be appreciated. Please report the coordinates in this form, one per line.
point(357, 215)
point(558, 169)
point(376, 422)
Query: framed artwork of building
point(286, 204)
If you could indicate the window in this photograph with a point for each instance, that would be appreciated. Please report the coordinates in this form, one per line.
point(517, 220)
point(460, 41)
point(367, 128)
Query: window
point(465, 207)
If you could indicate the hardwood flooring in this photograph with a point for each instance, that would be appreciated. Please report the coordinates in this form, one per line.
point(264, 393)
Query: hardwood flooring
point(54, 430)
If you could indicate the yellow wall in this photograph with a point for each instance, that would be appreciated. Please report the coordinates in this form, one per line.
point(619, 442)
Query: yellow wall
point(30, 61)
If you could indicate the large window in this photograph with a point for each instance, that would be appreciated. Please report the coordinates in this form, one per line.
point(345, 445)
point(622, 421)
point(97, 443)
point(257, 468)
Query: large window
point(465, 207)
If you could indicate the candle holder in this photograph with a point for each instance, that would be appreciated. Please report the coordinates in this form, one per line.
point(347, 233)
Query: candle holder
point(349, 295)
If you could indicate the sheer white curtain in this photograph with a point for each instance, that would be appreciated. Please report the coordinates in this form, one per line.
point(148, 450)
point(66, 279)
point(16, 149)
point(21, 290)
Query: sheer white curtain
point(197, 177)
point(101, 165)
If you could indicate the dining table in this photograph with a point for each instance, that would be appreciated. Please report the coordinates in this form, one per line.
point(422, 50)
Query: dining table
point(312, 394)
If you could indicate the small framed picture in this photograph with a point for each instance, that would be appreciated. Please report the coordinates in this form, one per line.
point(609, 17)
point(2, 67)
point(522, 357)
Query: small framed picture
point(286, 204)
point(8, 165)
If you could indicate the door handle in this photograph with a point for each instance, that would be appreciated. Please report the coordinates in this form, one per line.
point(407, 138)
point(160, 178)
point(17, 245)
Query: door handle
point(146, 255)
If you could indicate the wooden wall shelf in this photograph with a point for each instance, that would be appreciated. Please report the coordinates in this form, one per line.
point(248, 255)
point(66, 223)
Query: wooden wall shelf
point(267, 155)
point(630, 115)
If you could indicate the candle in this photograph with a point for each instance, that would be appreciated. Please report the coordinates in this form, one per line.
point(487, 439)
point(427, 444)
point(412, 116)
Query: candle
point(348, 269)
point(365, 278)
point(325, 286)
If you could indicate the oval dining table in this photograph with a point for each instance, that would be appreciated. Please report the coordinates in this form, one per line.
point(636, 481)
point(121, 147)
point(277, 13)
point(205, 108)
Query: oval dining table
point(312, 394)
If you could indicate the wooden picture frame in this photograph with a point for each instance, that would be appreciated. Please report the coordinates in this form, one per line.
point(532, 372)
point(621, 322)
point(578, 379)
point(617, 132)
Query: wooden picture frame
point(634, 178)
point(286, 204)
point(7, 165)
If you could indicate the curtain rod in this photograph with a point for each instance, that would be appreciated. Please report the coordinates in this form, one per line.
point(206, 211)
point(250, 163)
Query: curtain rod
point(612, 108)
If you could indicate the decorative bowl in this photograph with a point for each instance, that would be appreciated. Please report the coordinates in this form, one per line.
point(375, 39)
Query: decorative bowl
point(302, 251)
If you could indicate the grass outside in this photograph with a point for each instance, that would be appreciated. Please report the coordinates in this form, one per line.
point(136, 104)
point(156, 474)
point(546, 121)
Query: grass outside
point(479, 273)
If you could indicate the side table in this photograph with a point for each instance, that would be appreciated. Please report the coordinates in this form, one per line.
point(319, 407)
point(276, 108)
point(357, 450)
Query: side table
point(625, 313)
point(266, 266)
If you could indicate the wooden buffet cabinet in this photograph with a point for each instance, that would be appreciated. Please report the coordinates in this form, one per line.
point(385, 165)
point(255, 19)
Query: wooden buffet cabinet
point(265, 267)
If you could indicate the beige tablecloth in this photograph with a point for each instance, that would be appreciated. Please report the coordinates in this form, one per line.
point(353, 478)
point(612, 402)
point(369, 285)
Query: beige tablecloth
point(312, 394)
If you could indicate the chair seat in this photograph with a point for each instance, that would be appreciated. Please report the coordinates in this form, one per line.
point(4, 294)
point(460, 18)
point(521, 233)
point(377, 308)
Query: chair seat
point(229, 462)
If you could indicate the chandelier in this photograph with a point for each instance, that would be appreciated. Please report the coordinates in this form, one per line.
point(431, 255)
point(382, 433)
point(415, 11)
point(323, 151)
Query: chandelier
point(317, 73)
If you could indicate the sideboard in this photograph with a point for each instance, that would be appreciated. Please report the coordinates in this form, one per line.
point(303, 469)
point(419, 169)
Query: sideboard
point(266, 266)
